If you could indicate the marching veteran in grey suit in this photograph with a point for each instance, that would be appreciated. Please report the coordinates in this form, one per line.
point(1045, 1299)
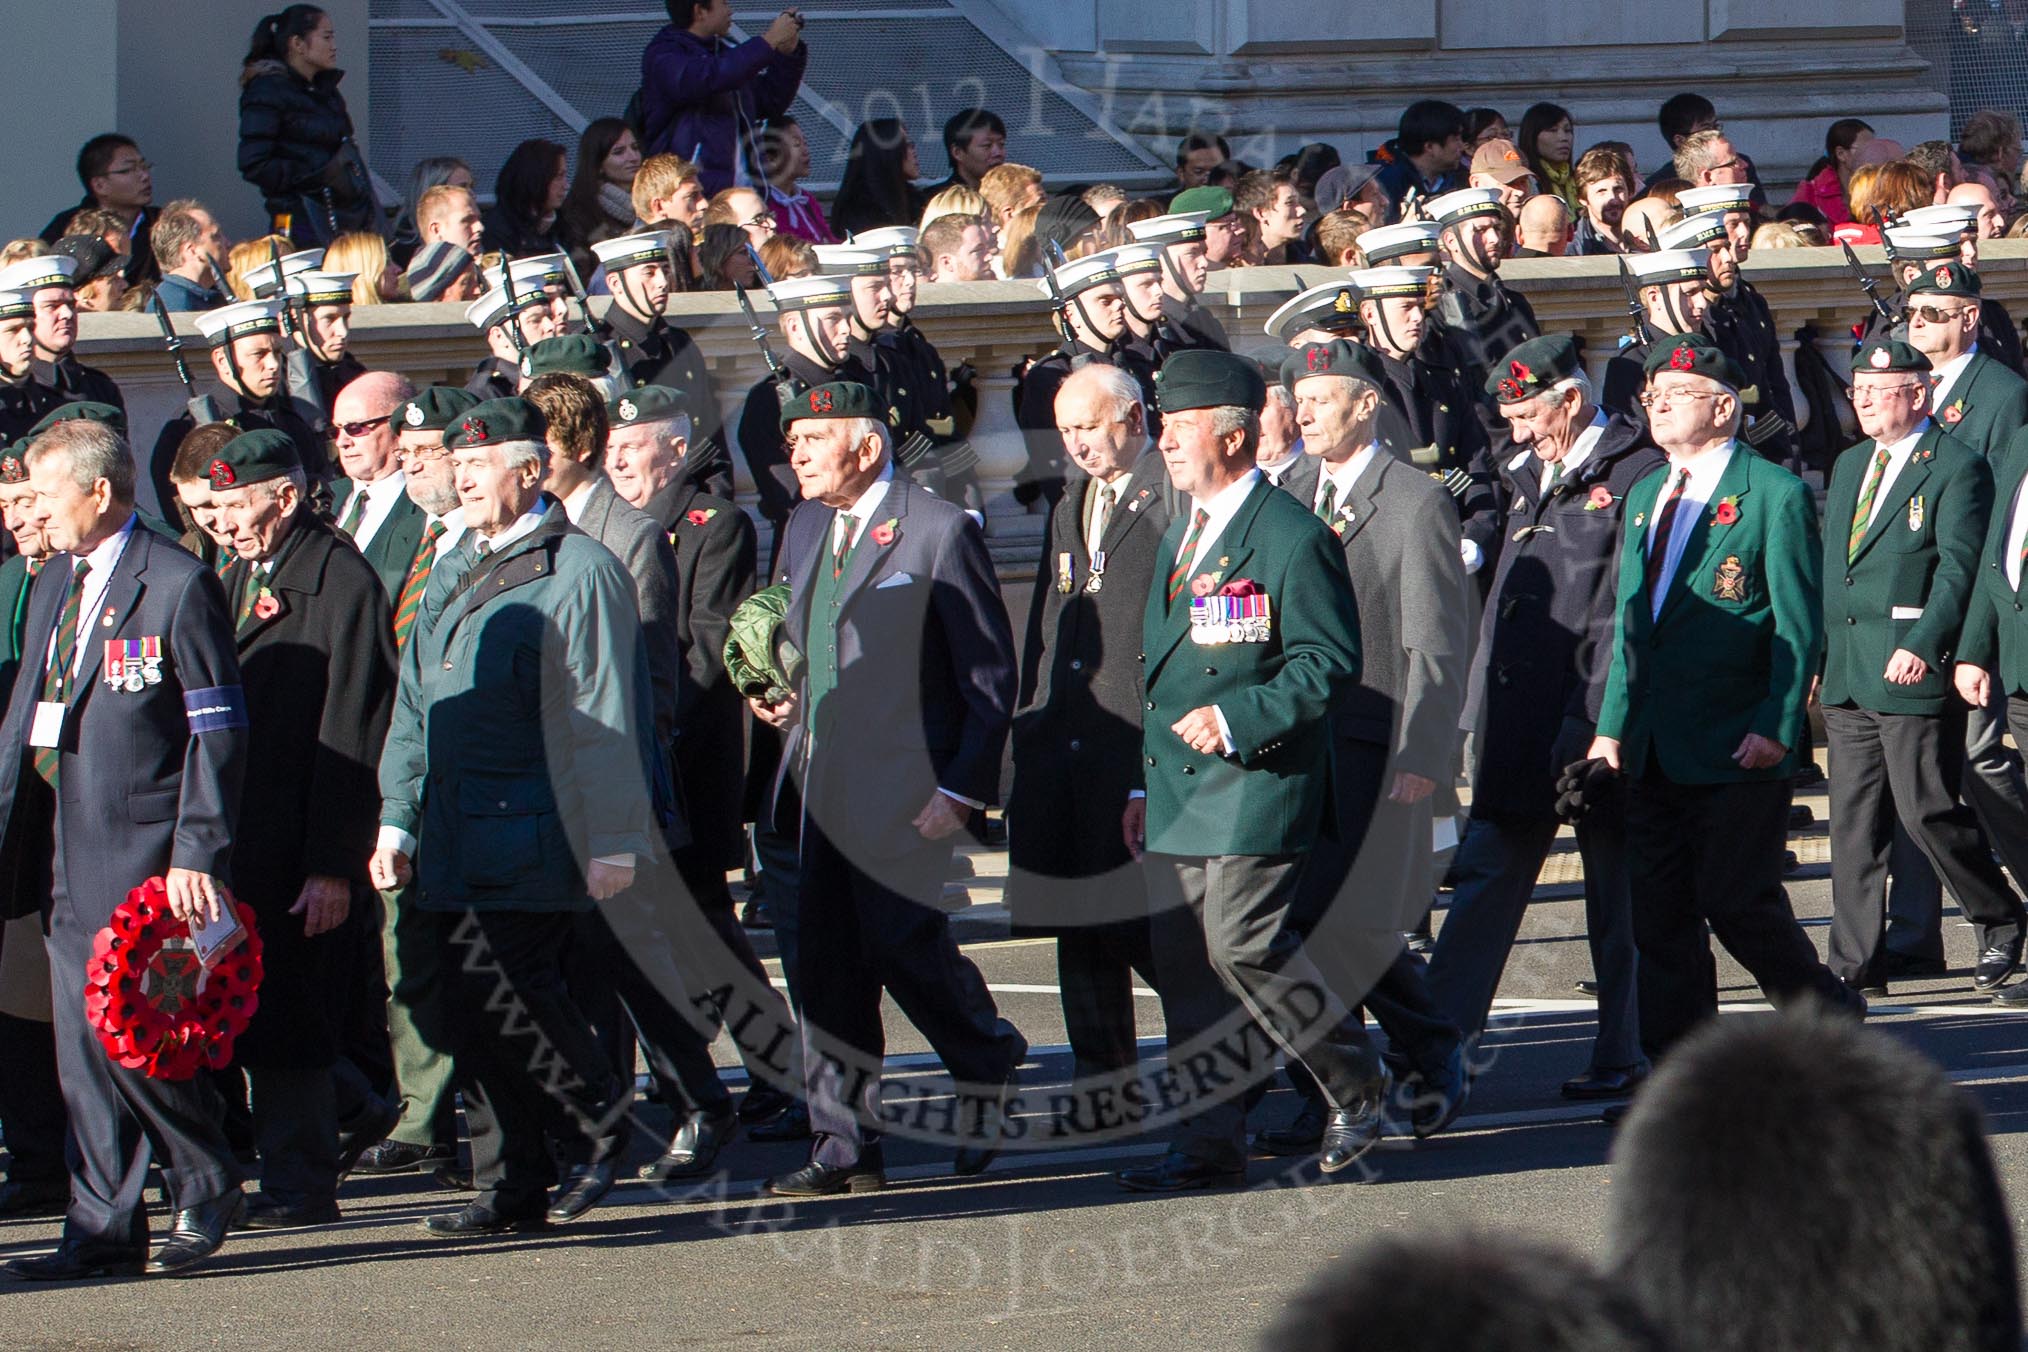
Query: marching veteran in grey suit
point(109, 786)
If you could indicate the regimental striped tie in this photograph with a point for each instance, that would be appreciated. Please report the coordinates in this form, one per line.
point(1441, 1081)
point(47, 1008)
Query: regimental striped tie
point(56, 679)
point(1327, 506)
point(843, 548)
point(412, 589)
point(1665, 520)
point(354, 514)
point(1862, 515)
point(1181, 571)
point(249, 595)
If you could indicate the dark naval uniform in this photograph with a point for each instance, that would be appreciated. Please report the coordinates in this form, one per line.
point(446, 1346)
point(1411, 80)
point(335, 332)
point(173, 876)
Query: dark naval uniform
point(1479, 321)
point(659, 353)
point(69, 380)
point(1743, 327)
point(494, 379)
point(249, 415)
point(1436, 412)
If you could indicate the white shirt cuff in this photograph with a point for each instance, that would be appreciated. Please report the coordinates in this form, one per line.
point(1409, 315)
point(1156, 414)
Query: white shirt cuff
point(1224, 732)
point(394, 838)
point(616, 860)
point(1132, 794)
point(1469, 551)
point(971, 803)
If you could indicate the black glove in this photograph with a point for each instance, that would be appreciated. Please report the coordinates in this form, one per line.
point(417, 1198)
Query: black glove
point(1582, 786)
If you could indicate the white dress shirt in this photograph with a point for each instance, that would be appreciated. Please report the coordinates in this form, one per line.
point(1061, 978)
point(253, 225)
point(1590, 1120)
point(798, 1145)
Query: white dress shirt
point(1219, 511)
point(1705, 472)
point(2017, 536)
point(1094, 529)
point(1342, 477)
point(1946, 376)
point(103, 560)
point(1897, 456)
point(573, 506)
point(382, 495)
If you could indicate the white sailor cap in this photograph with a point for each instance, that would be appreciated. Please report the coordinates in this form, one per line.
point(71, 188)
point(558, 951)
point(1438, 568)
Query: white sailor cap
point(1387, 242)
point(1464, 204)
point(1178, 227)
point(847, 260)
point(616, 255)
point(1668, 265)
point(530, 274)
point(804, 293)
point(322, 288)
point(263, 282)
point(1374, 283)
point(491, 308)
point(33, 274)
point(1910, 244)
point(228, 322)
point(1716, 197)
point(1692, 231)
point(1132, 258)
point(1081, 274)
point(1332, 305)
point(887, 241)
point(15, 304)
point(1944, 219)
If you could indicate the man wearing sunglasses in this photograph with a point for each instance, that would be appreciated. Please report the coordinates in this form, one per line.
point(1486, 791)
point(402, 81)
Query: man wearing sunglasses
point(1976, 399)
point(373, 505)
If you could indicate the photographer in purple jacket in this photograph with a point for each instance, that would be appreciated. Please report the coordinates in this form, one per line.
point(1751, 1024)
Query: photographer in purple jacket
point(705, 98)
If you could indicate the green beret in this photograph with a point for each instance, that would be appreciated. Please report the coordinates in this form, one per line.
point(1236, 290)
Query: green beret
point(1945, 279)
point(1205, 377)
point(82, 410)
point(647, 404)
point(1533, 367)
point(1335, 358)
point(1697, 355)
point(573, 354)
point(1888, 354)
point(1213, 202)
point(434, 408)
point(497, 422)
point(838, 399)
point(252, 458)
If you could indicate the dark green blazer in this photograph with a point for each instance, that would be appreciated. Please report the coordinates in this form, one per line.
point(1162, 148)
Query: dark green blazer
point(1269, 796)
point(1729, 653)
point(1911, 581)
point(14, 585)
point(391, 549)
point(1988, 404)
point(1996, 625)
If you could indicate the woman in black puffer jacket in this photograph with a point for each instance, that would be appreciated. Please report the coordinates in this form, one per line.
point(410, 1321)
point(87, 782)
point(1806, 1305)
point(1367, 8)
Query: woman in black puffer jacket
point(295, 137)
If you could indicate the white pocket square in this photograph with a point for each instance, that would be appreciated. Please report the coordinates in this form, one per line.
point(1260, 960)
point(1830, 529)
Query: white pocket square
point(893, 580)
point(1905, 613)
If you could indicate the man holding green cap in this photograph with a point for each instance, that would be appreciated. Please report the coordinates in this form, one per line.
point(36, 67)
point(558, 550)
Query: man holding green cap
point(1719, 629)
point(1250, 638)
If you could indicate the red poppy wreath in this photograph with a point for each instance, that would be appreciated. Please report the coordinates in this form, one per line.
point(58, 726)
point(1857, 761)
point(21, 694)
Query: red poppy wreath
point(155, 1008)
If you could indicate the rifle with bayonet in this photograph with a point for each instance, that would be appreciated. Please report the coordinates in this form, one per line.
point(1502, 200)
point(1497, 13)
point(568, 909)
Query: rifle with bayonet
point(1866, 283)
point(513, 320)
point(1637, 312)
point(787, 383)
point(202, 407)
point(577, 290)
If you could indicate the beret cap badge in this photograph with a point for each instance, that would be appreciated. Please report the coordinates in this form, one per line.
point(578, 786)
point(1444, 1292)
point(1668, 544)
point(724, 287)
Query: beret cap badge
point(221, 475)
point(1682, 359)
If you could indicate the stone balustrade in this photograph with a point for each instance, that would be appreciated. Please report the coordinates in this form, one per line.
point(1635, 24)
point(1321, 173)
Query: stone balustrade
point(993, 325)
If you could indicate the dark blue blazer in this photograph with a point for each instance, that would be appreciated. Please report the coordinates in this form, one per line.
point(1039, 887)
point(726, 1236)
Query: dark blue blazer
point(140, 791)
point(925, 603)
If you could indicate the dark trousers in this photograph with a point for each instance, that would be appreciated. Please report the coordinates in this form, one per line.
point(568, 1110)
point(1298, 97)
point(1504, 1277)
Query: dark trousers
point(295, 1129)
point(858, 937)
point(1227, 959)
point(1711, 855)
point(1492, 880)
point(1914, 901)
point(779, 875)
point(31, 1101)
point(1907, 768)
point(122, 1120)
point(722, 960)
point(1095, 968)
point(526, 1059)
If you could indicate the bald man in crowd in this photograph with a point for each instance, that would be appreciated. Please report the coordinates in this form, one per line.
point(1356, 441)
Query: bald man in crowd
point(371, 502)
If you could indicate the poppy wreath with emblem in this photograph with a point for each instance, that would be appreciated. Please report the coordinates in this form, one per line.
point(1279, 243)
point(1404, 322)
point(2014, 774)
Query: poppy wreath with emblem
point(221, 475)
point(475, 428)
point(1516, 382)
point(154, 1008)
point(820, 401)
point(1682, 359)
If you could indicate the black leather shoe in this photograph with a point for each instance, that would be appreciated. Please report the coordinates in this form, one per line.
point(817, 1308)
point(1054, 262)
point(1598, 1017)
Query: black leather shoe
point(2012, 997)
point(1800, 817)
point(793, 1125)
point(51, 1198)
point(1586, 987)
point(477, 1219)
point(1351, 1132)
point(366, 1134)
point(196, 1235)
point(455, 1177)
point(399, 1157)
point(1180, 1173)
point(1615, 1113)
point(268, 1213)
point(764, 1103)
point(827, 1180)
point(586, 1186)
point(1605, 1082)
point(983, 1146)
point(1433, 1104)
point(77, 1262)
point(693, 1149)
point(1300, 1135)
point(1996, 964)
point(756, 915)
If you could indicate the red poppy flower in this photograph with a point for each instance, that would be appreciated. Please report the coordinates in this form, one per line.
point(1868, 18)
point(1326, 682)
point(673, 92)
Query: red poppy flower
point(1601, 498)
point(1682, 359)
point(697, 516)
point(1726, 513)
point(1519, 371)
point(1953, 415)
point(266, 608)
point(883, 534)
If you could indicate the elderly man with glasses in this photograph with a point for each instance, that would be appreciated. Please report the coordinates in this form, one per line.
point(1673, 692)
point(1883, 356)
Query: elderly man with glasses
point(1907, 509)
point(373, 508)
point(1719, 630)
